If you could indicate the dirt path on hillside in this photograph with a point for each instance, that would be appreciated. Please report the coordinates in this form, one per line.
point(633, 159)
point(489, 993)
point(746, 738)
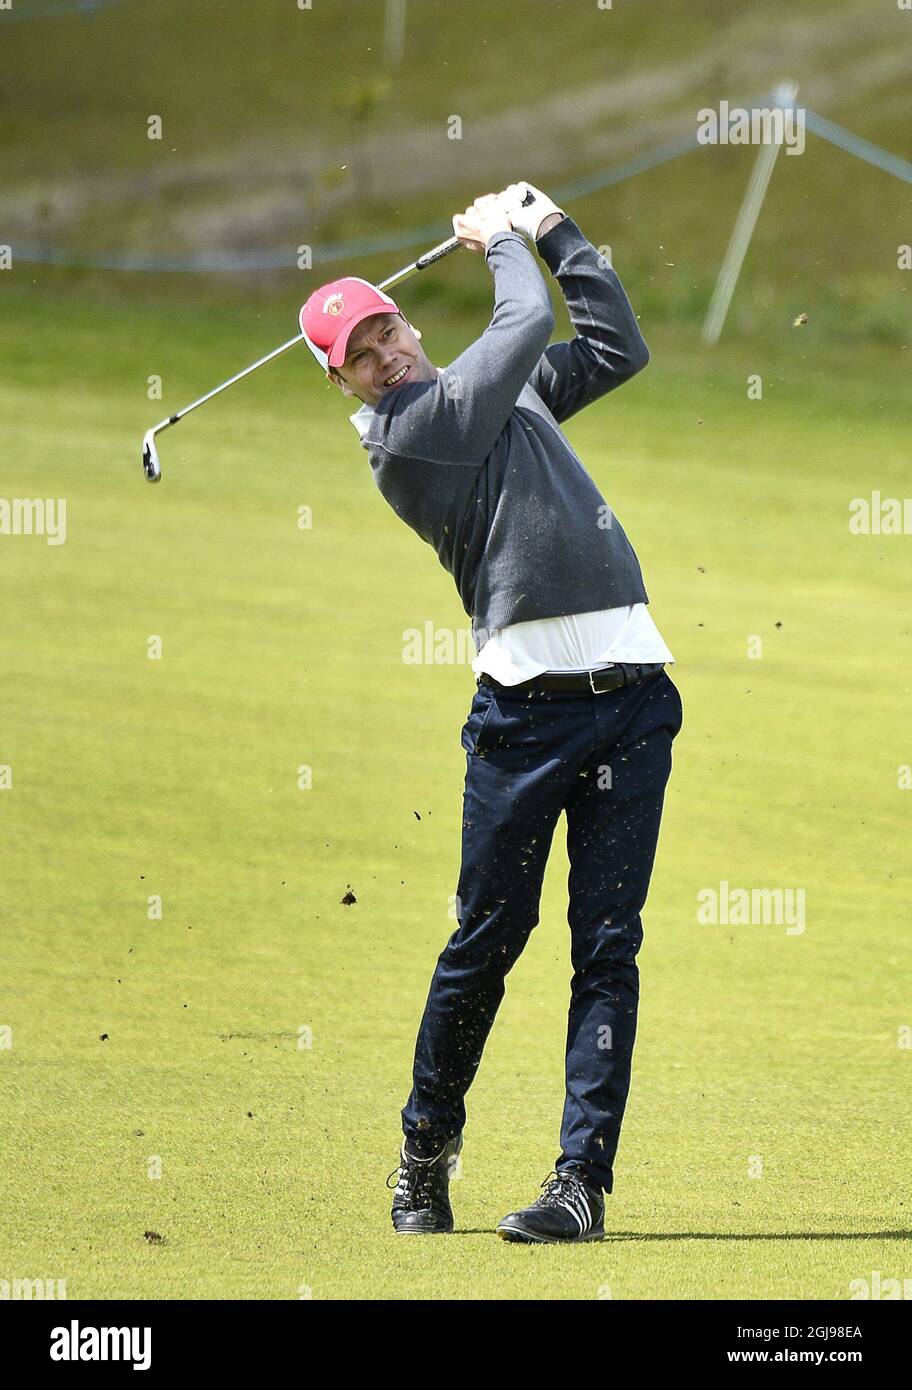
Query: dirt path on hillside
point(240, 201)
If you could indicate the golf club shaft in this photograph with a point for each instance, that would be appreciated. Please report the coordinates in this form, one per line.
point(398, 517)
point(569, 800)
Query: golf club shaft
point(151, 465)
point(298, 338)
point(429, 258)
point(435, 254)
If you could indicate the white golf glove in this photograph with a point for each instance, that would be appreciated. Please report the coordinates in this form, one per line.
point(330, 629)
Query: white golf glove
point(527, 219)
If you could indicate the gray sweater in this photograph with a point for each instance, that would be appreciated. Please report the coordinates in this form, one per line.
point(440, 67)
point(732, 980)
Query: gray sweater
point(476, 463)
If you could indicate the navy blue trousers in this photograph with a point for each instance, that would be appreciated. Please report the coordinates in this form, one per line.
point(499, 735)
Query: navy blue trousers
point(604, 760)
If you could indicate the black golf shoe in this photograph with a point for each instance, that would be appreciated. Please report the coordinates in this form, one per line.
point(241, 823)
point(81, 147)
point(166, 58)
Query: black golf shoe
point(421, 1204)
point(571, 1208)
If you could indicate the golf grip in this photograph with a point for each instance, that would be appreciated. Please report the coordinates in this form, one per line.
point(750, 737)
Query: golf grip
point(438, 252)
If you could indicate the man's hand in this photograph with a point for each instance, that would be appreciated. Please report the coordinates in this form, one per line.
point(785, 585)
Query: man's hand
point(529, 220)
point(480, 221)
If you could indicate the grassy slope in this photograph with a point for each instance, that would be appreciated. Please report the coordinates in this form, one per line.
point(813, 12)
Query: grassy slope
point(267, 77)
point(178, 777)
point(226, 76)
point(245, 89)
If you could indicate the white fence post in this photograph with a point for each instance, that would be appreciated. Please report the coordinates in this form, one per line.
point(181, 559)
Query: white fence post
point(761, 173)
point(394, 33)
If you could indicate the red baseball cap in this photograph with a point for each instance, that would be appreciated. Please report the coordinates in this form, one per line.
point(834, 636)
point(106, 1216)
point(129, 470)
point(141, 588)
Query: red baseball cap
point(333, 310)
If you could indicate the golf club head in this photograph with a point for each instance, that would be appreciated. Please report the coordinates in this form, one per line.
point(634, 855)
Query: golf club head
point(151, 465)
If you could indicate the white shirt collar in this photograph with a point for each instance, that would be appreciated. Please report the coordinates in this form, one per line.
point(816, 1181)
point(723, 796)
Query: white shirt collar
point(362, 418)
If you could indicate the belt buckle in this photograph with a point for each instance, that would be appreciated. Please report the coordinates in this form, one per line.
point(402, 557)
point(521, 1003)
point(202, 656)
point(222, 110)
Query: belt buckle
point(605, 690)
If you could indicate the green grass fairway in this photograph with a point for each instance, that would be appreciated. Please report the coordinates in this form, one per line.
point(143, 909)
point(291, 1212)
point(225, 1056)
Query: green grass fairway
point(282, 647)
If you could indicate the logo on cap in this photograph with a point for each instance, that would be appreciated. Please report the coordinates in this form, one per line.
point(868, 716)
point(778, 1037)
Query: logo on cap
point(335, 304)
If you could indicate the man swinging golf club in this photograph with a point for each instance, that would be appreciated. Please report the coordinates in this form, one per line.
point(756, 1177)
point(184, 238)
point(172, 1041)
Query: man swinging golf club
point(574, 710)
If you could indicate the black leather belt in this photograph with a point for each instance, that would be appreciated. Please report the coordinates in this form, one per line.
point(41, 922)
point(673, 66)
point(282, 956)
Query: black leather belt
point(600, 682)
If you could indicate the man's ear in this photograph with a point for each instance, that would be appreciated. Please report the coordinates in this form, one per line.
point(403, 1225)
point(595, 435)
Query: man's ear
point(333, 376)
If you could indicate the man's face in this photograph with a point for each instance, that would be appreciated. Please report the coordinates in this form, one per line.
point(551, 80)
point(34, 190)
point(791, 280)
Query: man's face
point(382, 354)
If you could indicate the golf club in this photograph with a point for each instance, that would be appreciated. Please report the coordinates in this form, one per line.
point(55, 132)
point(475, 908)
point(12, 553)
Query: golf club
point(150, 460)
